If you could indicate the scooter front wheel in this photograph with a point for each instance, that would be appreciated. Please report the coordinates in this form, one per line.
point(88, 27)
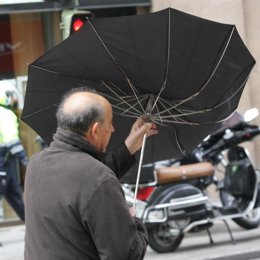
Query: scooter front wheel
point(250, 220)
point(163, 239)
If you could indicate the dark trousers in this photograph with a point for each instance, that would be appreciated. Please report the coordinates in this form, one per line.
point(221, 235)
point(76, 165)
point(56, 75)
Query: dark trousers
point(9, 184)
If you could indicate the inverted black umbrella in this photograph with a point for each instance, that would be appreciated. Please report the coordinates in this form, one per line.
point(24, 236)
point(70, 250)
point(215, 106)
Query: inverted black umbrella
point(180, 71)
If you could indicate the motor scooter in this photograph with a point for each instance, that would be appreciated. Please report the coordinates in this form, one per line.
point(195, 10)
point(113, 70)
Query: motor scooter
point(174, 199)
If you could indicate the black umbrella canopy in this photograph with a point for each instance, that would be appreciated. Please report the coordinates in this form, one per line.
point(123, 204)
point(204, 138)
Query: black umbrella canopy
point(180, 71)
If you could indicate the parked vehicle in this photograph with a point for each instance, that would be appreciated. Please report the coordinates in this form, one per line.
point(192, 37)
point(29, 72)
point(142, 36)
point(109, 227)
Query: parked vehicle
point(175, 200)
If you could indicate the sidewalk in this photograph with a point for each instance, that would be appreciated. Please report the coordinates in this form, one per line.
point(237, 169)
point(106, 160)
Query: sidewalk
point(12, 239)
point(195, 246)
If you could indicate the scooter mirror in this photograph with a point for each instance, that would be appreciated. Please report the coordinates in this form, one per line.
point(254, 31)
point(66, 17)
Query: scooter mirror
point(251, 114)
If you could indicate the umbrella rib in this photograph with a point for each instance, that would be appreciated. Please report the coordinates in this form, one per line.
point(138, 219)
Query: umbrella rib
point(41, 110)
point(181, 113)
point(209, 109)
point(113, 84)
point(136, 103)
point(48, 70)
point(55, 72)
point(128, 110)
point(153, 117)
point(130, 113)
point(184, 122)
point(129, 98)
point(161, 118)
point(171, 106)
point(225, 101)
point(132, 98)
point(119, 97)
point(170, 114)
point(233, 94)
point(119, 90)
point(168, 109)
point(131, 116)
point(178, 142)
point(168, 60)
point(193, 112)
point(212, 74)
point(107, 50)
point(114, 60)
point(158, 113)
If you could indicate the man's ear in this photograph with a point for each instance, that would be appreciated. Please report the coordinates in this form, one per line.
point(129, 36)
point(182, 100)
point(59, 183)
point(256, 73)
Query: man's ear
point(93, 132)
point(91, 135)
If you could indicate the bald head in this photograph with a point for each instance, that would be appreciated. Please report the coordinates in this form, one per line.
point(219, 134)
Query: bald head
point(82, 101)
point(79, 109)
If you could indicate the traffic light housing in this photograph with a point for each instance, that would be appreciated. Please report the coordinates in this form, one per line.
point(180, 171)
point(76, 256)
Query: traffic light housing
point(78, 20)
point(72, 20)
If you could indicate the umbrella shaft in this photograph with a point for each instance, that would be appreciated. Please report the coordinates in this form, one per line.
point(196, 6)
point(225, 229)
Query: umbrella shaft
point(139, 169)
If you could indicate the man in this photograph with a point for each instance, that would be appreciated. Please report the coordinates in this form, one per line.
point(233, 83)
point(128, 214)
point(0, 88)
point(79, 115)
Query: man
point(75, 207)
point(11, 149)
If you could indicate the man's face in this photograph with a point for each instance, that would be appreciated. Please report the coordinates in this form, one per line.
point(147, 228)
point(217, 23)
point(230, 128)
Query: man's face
point(106, 128)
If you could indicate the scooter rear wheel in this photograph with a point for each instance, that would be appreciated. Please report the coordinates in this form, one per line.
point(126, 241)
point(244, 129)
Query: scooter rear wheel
point(162, 240)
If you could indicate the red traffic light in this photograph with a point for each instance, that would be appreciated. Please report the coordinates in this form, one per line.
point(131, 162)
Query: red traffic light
point(78, 20)
point(77, 24)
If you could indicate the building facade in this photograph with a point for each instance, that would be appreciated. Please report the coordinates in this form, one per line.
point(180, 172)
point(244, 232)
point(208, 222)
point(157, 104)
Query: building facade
point(28, 30)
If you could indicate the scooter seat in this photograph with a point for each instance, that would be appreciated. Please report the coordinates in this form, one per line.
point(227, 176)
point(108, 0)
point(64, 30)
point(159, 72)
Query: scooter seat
point(167, 175)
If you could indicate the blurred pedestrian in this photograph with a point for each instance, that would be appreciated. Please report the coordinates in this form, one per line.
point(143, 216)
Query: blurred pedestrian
point(11, 149)
point(75, 206)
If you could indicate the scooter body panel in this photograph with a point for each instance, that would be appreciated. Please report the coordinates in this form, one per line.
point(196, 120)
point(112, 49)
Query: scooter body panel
point(175, 202)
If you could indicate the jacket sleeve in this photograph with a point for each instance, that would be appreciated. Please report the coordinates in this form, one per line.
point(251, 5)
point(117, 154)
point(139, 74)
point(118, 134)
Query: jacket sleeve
point(116, 234)
point(119, 160)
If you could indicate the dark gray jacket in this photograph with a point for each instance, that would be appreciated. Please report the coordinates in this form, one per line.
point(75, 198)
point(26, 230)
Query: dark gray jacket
point(75, 207)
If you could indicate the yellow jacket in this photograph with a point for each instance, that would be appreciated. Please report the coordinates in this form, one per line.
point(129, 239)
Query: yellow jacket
point(8, 126)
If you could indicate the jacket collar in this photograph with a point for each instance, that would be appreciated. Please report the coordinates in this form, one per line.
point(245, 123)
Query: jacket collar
point(66, 139)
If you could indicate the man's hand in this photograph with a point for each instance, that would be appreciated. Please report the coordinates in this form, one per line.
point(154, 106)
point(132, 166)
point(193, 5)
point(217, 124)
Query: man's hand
point(135, 138)
point(132, 211)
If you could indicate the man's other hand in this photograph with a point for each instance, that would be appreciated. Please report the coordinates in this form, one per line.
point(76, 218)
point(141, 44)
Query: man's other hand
point(138, 130)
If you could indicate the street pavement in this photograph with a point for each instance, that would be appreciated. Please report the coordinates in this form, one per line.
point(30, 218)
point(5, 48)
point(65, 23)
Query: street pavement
point(195, 246)
point(12, 239)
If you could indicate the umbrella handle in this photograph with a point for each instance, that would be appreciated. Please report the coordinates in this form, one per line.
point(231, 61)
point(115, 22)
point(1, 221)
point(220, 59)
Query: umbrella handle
point(139, 169)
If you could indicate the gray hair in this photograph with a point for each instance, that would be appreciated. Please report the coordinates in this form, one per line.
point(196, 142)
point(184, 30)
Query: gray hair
point(80, 120)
